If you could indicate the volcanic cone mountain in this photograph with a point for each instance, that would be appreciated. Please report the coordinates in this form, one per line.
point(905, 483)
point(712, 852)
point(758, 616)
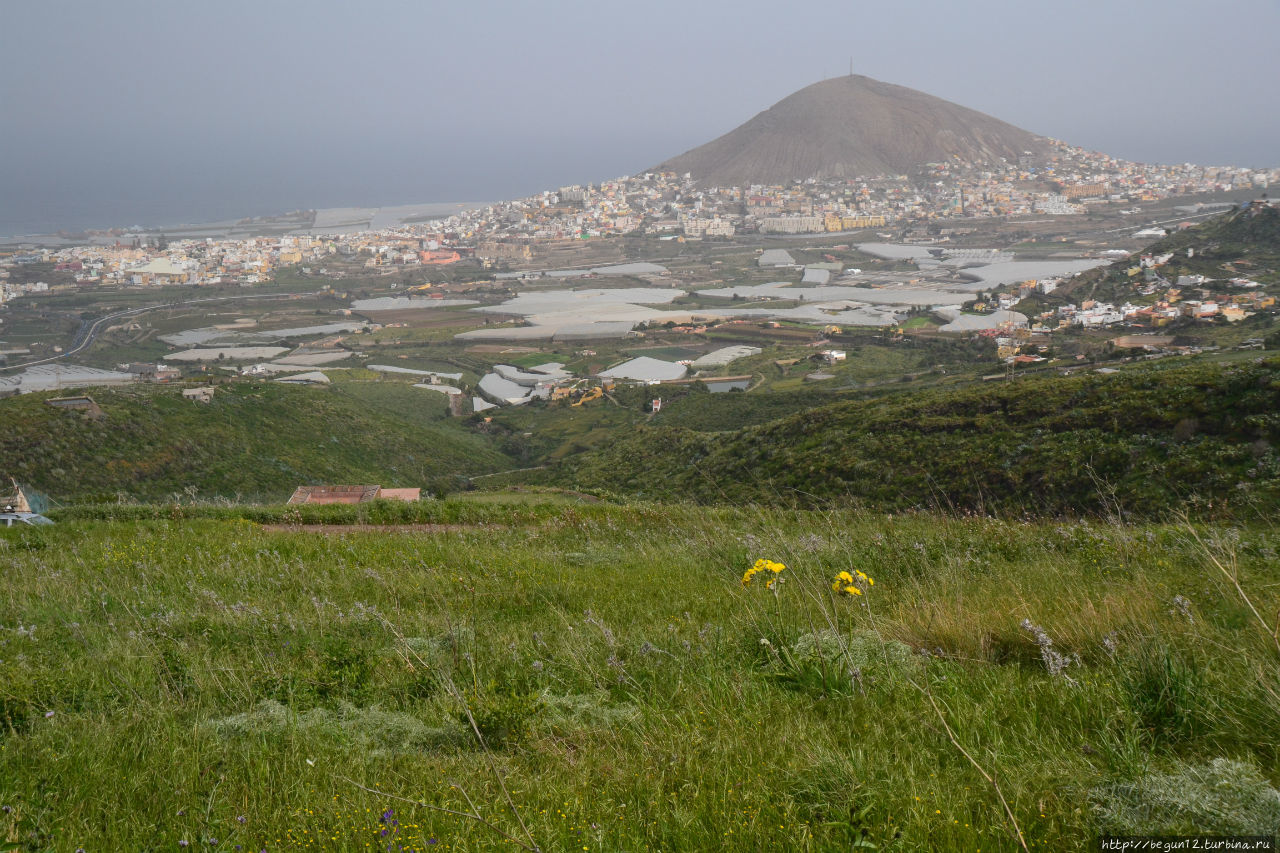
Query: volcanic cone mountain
point(853, 126)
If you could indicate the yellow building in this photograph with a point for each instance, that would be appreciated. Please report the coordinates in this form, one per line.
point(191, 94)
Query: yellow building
point(849, 223)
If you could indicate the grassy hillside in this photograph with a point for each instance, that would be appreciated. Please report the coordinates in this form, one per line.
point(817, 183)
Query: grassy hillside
point(1146, 440)
point(1252, 233)
point(254, 440)
point(218, 683)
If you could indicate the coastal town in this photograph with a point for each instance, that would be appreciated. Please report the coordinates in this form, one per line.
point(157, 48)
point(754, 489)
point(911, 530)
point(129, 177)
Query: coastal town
point(941, 245)
point(665, 205)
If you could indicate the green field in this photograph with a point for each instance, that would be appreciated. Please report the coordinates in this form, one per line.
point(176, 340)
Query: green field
point(665, 353)
point(599, 678)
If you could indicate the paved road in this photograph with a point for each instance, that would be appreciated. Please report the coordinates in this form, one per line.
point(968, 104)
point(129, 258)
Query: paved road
point(88, 331)
point(1188, 217)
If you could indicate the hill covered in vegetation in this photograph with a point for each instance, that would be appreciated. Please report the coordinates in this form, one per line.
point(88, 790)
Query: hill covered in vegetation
point(1251, 232)
point(1146, 440)
point(254, 440)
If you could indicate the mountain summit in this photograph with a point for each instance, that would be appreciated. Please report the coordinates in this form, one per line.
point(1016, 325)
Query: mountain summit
point(852, 126)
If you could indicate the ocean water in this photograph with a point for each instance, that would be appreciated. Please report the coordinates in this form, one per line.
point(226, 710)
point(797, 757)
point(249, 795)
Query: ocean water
point(48, 210)
point(51, 209)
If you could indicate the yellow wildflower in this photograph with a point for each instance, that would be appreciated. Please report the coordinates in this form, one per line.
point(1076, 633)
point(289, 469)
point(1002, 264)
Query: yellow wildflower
point(762, 566)
point(855, 583)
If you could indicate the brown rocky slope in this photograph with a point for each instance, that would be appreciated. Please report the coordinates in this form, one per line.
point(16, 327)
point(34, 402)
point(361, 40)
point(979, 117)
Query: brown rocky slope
point(852, 127)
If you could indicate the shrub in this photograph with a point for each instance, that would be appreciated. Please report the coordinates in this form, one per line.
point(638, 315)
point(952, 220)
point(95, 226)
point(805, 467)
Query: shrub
point(1222, 796)
point(370, 728)
point(581, 710)
point(345, 669)
point(502, 716)
point(1165, 690)
point(828, 792)
point(824, 659)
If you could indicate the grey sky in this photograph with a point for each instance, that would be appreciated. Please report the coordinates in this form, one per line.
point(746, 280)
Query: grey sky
point(162, 110)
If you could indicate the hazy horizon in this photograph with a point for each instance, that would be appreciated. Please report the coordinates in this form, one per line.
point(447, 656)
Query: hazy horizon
point(136, 114)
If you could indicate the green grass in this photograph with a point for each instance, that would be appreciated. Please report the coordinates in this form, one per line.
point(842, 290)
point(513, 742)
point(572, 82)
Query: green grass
point(521, 497)
point(531, 359)
point(672, 353)
point(196, 678)
point(385, 341)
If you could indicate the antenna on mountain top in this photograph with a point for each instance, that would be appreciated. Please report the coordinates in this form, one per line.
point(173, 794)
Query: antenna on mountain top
point(851, 66)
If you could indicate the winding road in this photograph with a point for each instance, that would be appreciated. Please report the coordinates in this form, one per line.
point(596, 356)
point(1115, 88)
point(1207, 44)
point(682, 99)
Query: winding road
point(85, 336)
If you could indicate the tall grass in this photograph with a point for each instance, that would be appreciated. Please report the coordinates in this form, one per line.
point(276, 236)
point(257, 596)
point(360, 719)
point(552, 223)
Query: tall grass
point(167, 679)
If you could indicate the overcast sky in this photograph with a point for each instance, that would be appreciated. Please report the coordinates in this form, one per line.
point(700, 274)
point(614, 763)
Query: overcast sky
point(133, 111)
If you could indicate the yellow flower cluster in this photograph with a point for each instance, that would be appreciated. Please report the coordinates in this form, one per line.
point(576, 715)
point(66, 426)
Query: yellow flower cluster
point(763, 566)
point(851, 584)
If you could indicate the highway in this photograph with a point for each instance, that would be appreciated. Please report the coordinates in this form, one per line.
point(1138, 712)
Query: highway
point(88, 331)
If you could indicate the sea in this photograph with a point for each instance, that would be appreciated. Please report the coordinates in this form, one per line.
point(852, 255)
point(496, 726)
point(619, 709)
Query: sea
point(53, 214)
